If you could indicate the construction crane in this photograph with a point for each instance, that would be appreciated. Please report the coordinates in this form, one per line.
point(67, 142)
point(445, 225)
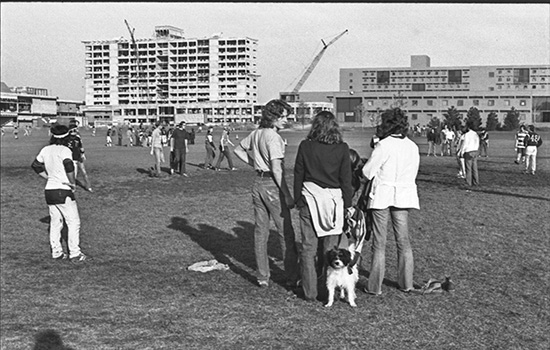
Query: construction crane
point(138, 68)
point(293, 95)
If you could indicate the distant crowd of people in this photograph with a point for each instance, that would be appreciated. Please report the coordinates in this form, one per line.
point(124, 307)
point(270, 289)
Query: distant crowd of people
point(333, 187)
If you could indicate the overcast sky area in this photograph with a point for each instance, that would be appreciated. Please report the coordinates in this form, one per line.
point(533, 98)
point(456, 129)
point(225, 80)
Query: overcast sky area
point(41, 43)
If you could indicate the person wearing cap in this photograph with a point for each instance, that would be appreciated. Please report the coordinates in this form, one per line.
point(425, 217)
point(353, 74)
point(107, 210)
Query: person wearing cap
point(264, 150)
point(77, 148)
point(210, 148)
point(224, 150)
point(55, 164)
point(178, 144)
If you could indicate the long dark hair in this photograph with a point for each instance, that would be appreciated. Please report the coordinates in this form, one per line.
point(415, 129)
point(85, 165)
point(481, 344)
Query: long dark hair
point(394, 122)
point(325, 129)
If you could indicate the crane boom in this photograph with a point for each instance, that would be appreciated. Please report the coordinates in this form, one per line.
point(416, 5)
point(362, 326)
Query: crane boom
point(314, 62)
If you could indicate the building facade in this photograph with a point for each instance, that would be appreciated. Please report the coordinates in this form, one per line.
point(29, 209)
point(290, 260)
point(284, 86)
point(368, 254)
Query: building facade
point(25, 107)
point(171, 78)
point(426, 92)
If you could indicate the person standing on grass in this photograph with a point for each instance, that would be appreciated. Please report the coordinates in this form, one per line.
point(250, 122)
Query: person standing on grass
point(55, 164)
point(156, 149)
point(264, 150)
point(392, 168)
point(77, 148)
point(323, 193)
point(460, 157)
point(225, 152)
point(432, 138)
point(520, 144)
point(108, 138)
point(532, 143)
point(470, 152)
point(179, 143)
point(16, 132)
point(210, 148)
point(483, 142)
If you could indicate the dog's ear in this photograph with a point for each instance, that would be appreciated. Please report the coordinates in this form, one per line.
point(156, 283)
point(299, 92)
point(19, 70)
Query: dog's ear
point(346, 256)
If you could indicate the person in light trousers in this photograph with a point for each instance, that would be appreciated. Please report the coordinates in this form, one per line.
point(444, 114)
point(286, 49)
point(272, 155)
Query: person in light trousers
point(55, 164)
point(392, 168)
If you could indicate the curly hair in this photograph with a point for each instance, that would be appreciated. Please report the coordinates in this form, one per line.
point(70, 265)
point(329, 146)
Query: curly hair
point(325, 129)
point(394, 122)
point(273, 111)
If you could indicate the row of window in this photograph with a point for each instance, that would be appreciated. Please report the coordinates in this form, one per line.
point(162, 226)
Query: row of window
point(459, 103)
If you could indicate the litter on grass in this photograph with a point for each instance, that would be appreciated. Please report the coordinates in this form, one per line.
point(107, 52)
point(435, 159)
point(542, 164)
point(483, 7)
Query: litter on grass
point(206, 266)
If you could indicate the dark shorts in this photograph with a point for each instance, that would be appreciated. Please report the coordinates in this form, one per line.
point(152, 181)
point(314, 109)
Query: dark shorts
point(58, 196)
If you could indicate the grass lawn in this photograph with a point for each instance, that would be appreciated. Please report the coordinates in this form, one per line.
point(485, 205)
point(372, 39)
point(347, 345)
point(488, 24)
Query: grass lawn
point(143, 233)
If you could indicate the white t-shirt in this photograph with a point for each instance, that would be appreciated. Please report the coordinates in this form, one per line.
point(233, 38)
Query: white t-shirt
point(265, 144)
point(52, 157)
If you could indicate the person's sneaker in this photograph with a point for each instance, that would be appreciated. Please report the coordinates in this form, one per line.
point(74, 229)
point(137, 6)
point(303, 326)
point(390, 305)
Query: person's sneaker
point(233, 169)
point(171, 171)
point(79, 258)
point(263, 284)
point(185, 174)
point(63, 256)
point(515, 161)
point(90, 190)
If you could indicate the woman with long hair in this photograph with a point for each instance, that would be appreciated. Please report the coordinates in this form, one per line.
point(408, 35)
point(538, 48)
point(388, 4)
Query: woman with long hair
point(323, 192)
point(392, 168)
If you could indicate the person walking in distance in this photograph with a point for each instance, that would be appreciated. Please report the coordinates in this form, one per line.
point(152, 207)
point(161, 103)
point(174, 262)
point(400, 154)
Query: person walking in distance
point(520, 144)
point(77, 148)
point(108, 138)
point(264, 150)
point(225, 152)
point(179, 143)
point(210, 148)
point(55, 164)
point(392, 168)
point(156, 149)
point(532, 142)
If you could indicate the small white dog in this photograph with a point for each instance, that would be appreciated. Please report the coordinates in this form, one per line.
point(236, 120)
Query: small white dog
point(341, 275)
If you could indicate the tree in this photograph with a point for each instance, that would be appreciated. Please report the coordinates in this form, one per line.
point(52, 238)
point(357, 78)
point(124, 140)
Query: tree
point(434, 123)
point(492, 122)
point(511, 121)
point(473, 119)
point(453, 119)
point(398, 101)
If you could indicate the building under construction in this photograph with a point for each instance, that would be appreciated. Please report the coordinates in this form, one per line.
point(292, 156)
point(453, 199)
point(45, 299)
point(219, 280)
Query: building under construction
point(170, 78)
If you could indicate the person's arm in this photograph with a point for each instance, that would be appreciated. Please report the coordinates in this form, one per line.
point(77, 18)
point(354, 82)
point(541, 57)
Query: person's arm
point(374, 163)
point(299, 174)
point(345, 179)
point(39, 168)
point(277, 169)
point(69, 170)
point(243, 155)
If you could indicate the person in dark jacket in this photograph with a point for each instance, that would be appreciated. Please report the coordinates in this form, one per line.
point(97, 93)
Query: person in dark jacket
point(532, 142)
point(323, 193)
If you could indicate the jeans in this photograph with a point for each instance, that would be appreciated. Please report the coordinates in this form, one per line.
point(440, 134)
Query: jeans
point(225, 154)
point(483, 149)
point(470, 162)
point(158, 154)
point(210, 155)
point(309, 258)
point(69, 212)
point(531, 159)
point(267, 200)
point(179, 160)
point(405, 263)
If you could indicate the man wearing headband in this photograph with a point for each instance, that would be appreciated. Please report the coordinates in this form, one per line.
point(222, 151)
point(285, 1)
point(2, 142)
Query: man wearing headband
point(55, 164)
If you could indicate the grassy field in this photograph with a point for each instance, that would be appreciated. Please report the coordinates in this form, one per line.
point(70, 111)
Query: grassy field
point(143, 233)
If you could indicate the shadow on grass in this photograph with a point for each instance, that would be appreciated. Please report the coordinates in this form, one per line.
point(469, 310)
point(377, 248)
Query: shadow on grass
point(235, 250)
point(150, 170)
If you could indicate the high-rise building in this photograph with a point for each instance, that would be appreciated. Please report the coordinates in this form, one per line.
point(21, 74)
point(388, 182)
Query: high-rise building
point(426, 92)
point(170, 77)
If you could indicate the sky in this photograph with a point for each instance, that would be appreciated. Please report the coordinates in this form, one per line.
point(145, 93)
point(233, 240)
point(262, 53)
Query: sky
point(41, 42)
